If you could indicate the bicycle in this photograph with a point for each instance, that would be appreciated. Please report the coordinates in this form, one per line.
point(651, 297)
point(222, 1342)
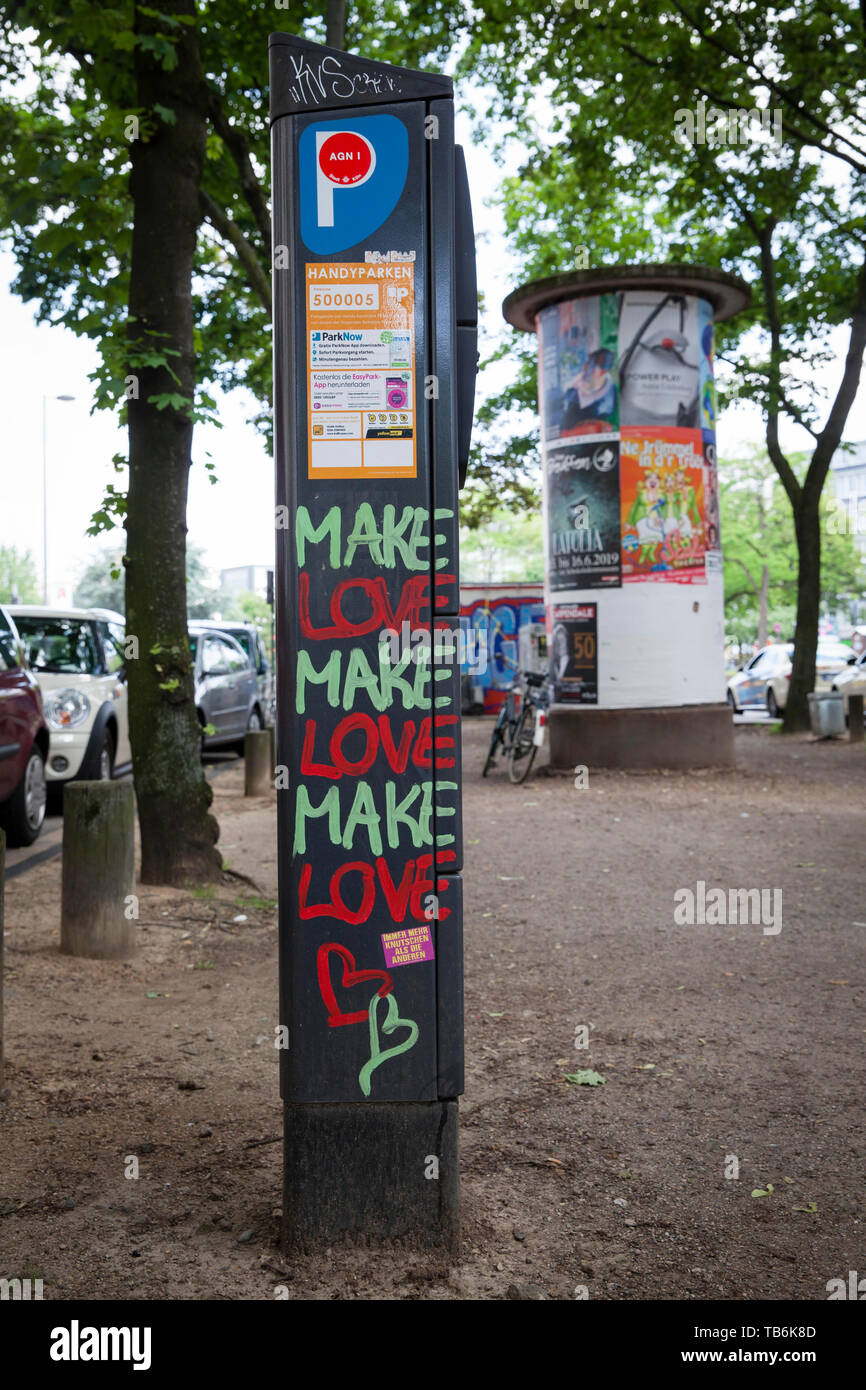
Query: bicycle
point(519, 729)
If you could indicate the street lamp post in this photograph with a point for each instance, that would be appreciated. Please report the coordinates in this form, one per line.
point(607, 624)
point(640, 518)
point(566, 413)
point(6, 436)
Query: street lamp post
point(45, 400)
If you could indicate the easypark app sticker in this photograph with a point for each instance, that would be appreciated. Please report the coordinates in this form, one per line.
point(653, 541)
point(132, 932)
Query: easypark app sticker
point(361, 370)
point(352, 173)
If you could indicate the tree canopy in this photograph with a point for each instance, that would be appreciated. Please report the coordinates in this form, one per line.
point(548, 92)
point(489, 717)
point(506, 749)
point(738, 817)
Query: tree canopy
point(760, 552)
point(102, 584)
point(732, 135)
point(19, 579)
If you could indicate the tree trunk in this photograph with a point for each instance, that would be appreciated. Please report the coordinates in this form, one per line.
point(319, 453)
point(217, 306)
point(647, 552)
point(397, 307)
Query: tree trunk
point(178, 834)
point(808, 531)
point(335, 24)
point(763, 602)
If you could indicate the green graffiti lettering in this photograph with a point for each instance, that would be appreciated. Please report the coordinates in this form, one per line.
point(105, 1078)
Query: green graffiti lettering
point(390, 1024)
point(446, 787)
point(439, 538)
point(364, 532)
point(397, 813)
point(330, 673)
point(393, 678)
point(304, 810)
point(305, 531)
point(364, 813)
point(360, 676)
point(394, 537)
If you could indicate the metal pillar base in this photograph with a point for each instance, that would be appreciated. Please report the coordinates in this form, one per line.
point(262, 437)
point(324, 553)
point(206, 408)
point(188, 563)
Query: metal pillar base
point(681, 736)
point(366, 1173)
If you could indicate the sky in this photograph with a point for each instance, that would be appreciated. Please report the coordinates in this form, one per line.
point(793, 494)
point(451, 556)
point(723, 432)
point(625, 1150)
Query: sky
point(232, 521)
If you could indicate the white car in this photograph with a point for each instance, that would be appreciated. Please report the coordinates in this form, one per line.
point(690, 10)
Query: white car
point(76, 655)
point(763, 681)
point(852, 681)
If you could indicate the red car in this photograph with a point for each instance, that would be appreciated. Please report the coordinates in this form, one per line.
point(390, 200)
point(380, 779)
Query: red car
point(23, 742)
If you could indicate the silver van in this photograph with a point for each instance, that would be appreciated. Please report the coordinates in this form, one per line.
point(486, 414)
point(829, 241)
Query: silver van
point(227, 696)
point(250, 639)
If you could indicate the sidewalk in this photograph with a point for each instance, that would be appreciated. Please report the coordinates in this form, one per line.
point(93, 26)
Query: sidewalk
point(714, 1041)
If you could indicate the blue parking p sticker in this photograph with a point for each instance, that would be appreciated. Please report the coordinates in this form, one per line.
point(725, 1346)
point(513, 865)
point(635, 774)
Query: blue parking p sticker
point(352, 173)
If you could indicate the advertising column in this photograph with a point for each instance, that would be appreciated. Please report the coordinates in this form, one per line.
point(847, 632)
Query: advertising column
point(633, 566)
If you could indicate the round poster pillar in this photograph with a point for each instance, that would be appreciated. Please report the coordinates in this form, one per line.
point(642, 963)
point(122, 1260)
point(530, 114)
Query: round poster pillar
point(634, 590)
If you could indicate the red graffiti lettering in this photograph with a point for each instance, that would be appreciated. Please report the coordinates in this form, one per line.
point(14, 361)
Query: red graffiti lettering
point(413, 607)
point(407, 896)
point(426, 742)
point(337, 907)
point(351, 976)
point(371, 747)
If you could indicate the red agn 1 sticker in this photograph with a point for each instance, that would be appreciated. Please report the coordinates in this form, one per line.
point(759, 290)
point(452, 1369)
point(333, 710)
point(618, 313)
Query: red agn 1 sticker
point(345, 158)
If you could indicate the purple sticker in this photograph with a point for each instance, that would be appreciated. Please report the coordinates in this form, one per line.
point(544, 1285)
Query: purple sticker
point(408, 946)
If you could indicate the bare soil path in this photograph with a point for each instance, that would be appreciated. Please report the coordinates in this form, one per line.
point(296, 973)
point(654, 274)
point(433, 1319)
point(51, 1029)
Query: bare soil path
point(715, 1042)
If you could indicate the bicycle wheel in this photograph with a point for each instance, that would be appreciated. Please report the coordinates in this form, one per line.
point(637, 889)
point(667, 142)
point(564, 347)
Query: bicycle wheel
point(523, 749)
point(495, 739)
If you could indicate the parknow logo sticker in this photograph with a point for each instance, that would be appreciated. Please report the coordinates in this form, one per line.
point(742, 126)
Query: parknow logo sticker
point(352, 173)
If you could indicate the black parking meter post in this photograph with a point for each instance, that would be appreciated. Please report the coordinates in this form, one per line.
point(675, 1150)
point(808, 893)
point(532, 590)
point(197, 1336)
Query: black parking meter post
point(374, 365)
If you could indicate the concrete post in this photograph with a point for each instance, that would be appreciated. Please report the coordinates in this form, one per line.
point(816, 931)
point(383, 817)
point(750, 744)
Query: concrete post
point(97, 916)
point(258, 762)
point(855, 718)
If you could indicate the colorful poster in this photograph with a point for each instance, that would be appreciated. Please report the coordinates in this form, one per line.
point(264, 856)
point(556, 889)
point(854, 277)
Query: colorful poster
point(663, 506)
point(659, 360)
point(574, 653)
point(713, 505)
point(707, 378)
point(361, 370)
point(577, 344)
point(583, 513)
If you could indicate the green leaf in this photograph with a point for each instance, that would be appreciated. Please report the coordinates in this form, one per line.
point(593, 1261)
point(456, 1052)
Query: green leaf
point(585, 1078)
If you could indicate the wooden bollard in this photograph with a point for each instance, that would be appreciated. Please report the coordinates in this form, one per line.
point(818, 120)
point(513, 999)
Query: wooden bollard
point(2, 887)
point(855, 718)
point(258, 762)
point(98, 912)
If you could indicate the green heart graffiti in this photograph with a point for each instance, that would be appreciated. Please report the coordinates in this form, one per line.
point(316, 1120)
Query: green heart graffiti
point(392, 1021)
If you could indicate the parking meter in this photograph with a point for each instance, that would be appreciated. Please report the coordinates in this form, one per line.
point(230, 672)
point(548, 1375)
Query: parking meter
point(375, 330)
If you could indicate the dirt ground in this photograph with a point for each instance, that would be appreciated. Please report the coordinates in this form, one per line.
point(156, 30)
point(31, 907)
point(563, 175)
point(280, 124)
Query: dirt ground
point(714, 1041)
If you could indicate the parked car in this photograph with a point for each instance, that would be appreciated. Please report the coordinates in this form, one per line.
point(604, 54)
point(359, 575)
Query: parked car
point(23, 742)
point(852, 681)
point(763, 681)
point(248, 636)
point(226, 688)
point(76, 654)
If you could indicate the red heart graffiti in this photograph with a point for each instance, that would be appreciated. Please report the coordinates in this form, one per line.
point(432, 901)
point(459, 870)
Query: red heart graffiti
point(351, 976)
